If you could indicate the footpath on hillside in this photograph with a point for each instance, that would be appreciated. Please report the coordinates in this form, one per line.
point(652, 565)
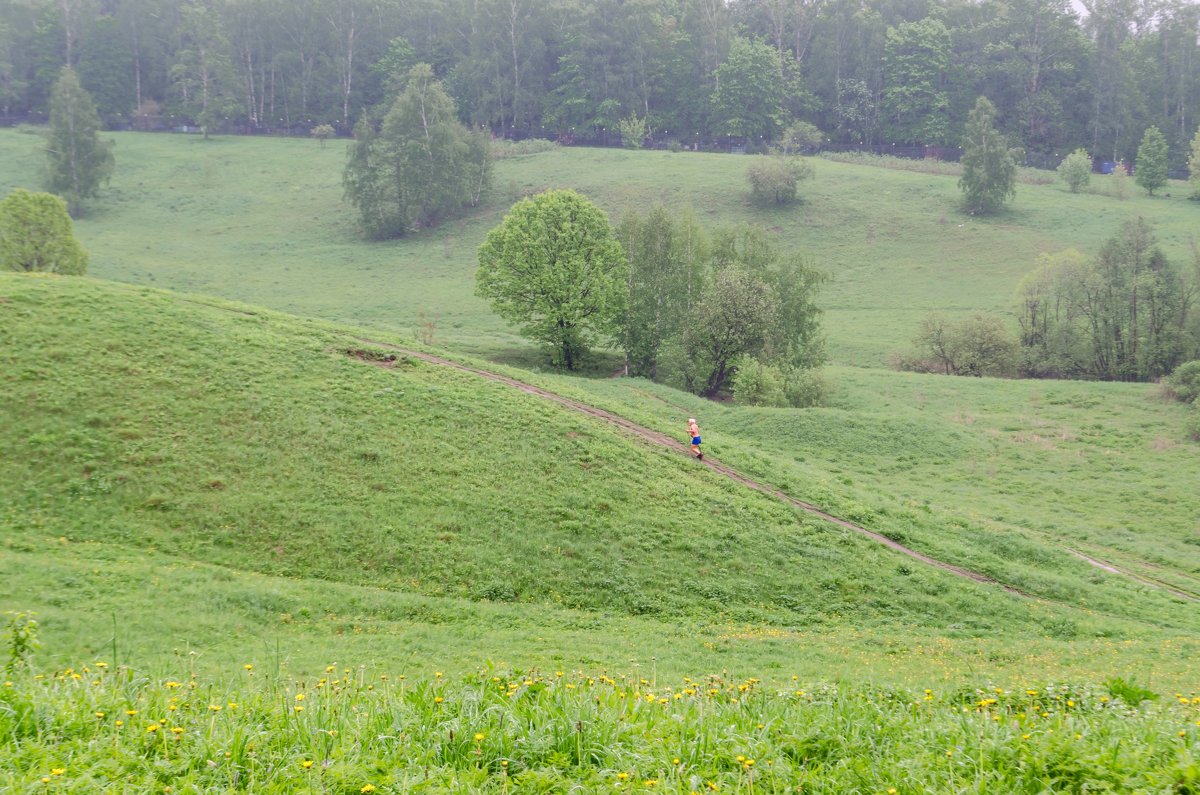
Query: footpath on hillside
point(664, 440)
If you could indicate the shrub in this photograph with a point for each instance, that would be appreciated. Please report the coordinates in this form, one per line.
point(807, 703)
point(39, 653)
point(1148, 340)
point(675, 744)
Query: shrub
point(758, 384)
point(1192, 426)
point(774, 179)
point(1076, 170)
point(1184, 383)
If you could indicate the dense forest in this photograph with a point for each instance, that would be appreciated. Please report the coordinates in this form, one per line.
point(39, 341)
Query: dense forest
point(694, 71)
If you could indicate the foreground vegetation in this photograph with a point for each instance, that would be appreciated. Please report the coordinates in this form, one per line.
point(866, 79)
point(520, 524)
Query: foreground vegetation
point(351, 728)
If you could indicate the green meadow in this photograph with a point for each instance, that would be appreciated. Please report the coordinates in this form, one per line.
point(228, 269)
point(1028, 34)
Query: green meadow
point(214, 457)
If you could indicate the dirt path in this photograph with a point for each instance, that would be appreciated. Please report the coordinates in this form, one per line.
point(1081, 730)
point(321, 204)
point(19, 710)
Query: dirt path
point(664, 440)
point(1143, 580)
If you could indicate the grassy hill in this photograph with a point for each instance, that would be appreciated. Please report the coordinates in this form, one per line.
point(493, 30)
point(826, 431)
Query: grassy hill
point(189, 474)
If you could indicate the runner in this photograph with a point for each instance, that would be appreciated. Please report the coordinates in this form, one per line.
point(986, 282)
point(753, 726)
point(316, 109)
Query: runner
point(694, 432)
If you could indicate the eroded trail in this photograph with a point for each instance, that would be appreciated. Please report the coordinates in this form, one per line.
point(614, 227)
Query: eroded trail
point(664, 440)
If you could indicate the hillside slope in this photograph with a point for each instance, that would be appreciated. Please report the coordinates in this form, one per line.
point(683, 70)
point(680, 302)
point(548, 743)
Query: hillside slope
point(231, 437)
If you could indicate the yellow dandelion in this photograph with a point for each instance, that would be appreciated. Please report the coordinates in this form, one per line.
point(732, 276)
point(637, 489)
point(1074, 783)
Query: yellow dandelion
point(438, 700)
point(58, 771)
point(248, 666)
point(622, 776)
point(367, 788)
point(891, 791)
point(120, 723)
point(152, 728)
point(478, 737)
point(131, 712)
point(45, 779)
point(299, 696)
point(298, 708)
point(215, 707)
point(306, 764)
point(99, 714)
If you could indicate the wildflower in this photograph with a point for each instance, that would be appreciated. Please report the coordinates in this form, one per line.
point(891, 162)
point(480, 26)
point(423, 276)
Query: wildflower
point(152, 728)
point(712, 785)
point(478, 737)
point(45, 779)
point(58, 771)
point(1183, 733)
point(173, 707)
point(306, 764)
point(1025, 736)
point(299, 696)
point(99, 714)
point(650, 782)
point(215, 707)
point(298, 708)
point(622, 776)
point(891, 791)
point(438, 700)
point(675, 761)
point(248, 667)
point(131, 712)
point(437, 674)
point(367, 788)
point(120, 723)
point(101, 665)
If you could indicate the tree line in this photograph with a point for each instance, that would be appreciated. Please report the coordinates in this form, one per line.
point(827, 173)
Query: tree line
point(869, 71)
point(1125, 313)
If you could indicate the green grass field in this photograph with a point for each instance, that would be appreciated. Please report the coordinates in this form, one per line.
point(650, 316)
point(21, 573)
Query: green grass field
point(192, 482)
point(263, 221)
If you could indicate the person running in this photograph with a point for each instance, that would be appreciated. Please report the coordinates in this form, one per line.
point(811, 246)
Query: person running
point(694, 432)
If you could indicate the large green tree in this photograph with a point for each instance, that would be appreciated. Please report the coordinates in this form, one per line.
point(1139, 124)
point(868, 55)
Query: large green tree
point(915, 100)
point(750, 93)
point(203, 70)
point(1123, 315)
point(1151, 166)
point(79, 162)
point(421, 167)
point(36, 235)
point(554, 266)
point(989, 166)
point(668, 256)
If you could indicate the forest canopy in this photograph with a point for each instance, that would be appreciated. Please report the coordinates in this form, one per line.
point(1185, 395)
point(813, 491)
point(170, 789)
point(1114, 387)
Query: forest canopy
point(863, 71)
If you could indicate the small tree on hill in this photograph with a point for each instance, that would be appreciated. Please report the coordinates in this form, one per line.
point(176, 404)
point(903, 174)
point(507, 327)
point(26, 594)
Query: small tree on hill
point(1152, 154)
point(79, 160)
point(554, 266)
point(323, 132)
point(773, 178)
point(989, 175)
point(422, 166)
point(36, 235)
point(1076, 170)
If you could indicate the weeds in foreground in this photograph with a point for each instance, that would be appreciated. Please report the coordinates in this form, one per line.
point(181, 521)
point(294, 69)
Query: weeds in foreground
point(350, 729)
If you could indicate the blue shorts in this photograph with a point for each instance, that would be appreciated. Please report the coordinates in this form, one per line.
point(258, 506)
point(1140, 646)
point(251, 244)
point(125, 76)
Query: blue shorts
point(695, 440)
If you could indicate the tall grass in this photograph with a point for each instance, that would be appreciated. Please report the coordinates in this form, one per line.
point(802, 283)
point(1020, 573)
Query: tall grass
point(353, 728)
